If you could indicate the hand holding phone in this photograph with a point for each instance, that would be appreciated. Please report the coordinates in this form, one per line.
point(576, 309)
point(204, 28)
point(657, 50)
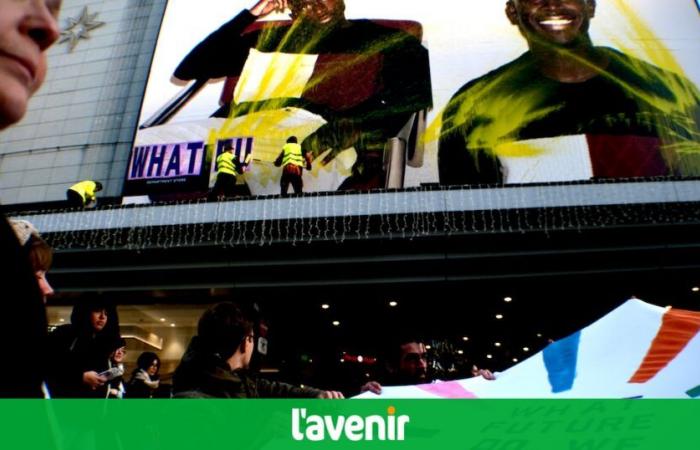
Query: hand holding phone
point(112, 373)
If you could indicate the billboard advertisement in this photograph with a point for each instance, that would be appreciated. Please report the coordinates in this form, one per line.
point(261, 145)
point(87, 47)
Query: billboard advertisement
point(396, 94)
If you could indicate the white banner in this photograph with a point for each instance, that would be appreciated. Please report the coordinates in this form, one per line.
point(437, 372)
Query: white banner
point(636, 351)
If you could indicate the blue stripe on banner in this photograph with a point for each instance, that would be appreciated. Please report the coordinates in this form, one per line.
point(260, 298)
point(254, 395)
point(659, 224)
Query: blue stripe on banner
point(560, 360)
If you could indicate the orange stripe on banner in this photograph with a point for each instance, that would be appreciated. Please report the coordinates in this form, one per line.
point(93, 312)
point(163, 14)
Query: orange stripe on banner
point(678, 327)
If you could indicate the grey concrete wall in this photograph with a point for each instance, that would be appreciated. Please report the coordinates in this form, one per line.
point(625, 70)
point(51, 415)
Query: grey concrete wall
point(80, 125)
point(374, 204)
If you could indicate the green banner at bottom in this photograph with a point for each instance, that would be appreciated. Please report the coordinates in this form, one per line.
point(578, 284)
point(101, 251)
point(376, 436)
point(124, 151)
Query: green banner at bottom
point(401, 424)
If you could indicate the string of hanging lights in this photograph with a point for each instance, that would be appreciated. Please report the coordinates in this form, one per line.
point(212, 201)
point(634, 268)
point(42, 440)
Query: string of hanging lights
point(341, 216)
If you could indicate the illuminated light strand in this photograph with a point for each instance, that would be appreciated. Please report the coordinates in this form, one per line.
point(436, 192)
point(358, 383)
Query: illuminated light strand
point(316, 217)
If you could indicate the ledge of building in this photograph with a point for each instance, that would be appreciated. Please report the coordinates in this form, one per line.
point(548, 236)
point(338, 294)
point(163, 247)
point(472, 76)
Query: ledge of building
point(374, 203)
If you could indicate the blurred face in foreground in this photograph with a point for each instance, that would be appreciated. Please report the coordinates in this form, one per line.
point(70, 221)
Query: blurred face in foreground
point(27, 30)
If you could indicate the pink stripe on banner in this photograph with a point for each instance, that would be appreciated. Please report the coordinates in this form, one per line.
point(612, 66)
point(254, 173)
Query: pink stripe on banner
point(448, 389)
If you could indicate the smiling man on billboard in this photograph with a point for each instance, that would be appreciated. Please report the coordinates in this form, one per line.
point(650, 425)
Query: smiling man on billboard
point(569, 110)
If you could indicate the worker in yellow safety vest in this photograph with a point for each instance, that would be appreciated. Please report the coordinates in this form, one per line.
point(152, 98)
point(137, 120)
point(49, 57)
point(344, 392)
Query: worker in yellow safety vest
point(82, 194)
point(293, 162)
point(228, 168)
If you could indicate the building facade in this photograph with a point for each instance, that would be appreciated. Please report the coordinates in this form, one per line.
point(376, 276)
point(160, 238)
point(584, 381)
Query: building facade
point(563, 252)
point(81, 124)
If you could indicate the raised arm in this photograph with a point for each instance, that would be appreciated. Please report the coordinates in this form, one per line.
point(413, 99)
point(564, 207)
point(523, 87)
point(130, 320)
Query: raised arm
point(224, 52)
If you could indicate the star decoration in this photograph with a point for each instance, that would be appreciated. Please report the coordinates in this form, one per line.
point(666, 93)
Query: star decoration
point(78, 28)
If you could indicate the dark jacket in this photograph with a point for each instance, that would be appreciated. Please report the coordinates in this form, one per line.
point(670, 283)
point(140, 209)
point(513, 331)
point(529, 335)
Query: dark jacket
point(23, 365)
point(138, 386)
point(384, 73)
point(74, 349)
point(202, 375)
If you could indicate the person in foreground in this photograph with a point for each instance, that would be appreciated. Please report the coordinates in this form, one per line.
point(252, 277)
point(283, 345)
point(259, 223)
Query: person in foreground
point(27, 30)
point(39, 252)
point(217, 361)
point(79, 352)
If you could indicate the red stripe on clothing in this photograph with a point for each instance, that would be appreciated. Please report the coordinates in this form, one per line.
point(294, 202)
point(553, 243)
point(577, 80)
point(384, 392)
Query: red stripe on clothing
point(626, 156)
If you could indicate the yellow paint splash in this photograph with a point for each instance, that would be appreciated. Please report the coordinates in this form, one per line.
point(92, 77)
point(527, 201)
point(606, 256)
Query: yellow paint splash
point(272, 128)
point(680, 132)
point(487, 103)
point(497, 114)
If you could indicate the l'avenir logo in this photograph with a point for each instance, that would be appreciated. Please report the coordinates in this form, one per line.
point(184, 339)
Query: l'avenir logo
point(312, 427)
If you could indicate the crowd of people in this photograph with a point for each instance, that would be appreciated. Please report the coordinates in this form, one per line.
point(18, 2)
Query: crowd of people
point(85, 359)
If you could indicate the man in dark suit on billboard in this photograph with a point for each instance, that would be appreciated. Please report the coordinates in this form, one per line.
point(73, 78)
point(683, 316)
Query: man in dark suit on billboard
point(366, 79)
point(568, 110)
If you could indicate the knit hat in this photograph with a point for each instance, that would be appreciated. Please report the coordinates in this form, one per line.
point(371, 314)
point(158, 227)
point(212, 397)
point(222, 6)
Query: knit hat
point(24, 230)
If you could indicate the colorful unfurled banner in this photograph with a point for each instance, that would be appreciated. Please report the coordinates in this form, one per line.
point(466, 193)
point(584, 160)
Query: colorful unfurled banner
point(636, 351)
point(396, 94)
point(345, 424)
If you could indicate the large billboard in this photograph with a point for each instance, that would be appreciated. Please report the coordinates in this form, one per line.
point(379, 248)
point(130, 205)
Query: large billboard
point(392, 94)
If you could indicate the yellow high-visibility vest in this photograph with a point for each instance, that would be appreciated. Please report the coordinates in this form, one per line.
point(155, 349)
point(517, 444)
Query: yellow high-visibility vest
point(293, 155)
point(86, 189)
point(225, 163)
